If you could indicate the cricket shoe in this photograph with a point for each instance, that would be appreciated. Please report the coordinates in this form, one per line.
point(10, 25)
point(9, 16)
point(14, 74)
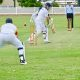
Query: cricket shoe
point(23, 62)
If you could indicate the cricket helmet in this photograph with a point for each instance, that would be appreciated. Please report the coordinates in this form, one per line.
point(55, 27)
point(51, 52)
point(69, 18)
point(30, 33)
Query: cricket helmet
point(48, 5)
point(9, 20)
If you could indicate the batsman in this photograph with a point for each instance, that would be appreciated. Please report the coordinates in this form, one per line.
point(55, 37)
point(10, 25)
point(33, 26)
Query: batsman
point(33, 36)
point(40, 22)
point(39, 19)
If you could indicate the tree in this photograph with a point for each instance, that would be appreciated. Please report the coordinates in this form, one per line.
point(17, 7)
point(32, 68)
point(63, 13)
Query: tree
point(55, 4)
point(78, 2)
point(1, 1)
point(29, 3)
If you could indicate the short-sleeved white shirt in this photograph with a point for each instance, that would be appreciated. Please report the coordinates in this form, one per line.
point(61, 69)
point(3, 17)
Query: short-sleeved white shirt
point(43, 13)
point(8, 28)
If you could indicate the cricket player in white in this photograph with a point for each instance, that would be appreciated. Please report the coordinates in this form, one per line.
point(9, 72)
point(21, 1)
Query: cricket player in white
point(32, 22)
point(34, 15)
point(9, 35)
point(40, 21)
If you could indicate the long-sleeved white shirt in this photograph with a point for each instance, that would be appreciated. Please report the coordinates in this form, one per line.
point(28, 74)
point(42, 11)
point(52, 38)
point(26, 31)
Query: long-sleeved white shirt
point(69, 9)
point(43, 13)
point(8, 28)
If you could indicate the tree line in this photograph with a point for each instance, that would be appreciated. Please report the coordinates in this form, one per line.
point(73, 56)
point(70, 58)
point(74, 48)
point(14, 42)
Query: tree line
point(33, 3)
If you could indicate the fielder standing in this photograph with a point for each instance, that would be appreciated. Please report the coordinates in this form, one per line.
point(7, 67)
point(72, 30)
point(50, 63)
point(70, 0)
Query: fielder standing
point(40, 22)
point(70, 15)
point(9, 35)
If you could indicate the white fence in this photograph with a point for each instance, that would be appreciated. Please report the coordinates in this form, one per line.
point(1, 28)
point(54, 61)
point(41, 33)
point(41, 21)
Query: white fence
point(30, 10)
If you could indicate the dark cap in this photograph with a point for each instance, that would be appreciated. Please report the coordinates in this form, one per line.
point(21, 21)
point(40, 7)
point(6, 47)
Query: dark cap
point(9, 20)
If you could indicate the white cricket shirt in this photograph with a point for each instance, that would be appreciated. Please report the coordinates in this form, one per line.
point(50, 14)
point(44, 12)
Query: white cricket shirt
point(43, 13)
point(8, 28)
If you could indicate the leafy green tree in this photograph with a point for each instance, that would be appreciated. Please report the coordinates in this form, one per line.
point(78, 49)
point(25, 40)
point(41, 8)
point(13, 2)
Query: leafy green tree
point(29, 3)
point(55, 4)
point(1, 1)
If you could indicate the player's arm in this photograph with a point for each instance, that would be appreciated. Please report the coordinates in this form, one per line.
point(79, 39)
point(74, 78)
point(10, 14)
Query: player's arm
point(16, 33)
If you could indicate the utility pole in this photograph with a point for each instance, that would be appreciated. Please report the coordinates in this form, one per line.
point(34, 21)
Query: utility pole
point(14, 3)
point(65, 3)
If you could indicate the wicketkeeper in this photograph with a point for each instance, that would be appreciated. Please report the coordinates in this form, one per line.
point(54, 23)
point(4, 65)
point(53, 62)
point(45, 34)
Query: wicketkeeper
point(9, 35)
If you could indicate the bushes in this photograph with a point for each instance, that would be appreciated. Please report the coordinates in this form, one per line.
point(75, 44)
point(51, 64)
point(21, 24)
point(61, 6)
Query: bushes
point(38, 4)
point(29, 3)
point(1, 1)
point(54, 4)
point(33, 3)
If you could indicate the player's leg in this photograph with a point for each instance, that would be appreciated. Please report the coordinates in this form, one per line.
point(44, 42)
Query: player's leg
point(22, 55)
point(69, 24)
point(68, 21)
point(21, 51)
point(16, 42)
point(45, 33)
point(72, 21)
point(38, 30)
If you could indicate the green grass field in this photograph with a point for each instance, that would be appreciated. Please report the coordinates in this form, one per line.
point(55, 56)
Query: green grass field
point(59, 60)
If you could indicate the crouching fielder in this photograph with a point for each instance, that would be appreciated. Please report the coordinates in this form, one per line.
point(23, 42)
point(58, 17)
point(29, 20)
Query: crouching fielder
point(9, 35)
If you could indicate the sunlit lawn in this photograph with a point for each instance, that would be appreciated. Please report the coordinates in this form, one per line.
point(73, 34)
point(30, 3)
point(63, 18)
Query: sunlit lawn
point(59, 60)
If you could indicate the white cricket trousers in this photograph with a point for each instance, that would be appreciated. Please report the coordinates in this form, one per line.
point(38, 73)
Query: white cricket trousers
point(41, 28)
point(7, 38)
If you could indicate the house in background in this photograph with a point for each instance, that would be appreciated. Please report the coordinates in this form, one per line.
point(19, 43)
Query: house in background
point(8, 3)
point(62, 3)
